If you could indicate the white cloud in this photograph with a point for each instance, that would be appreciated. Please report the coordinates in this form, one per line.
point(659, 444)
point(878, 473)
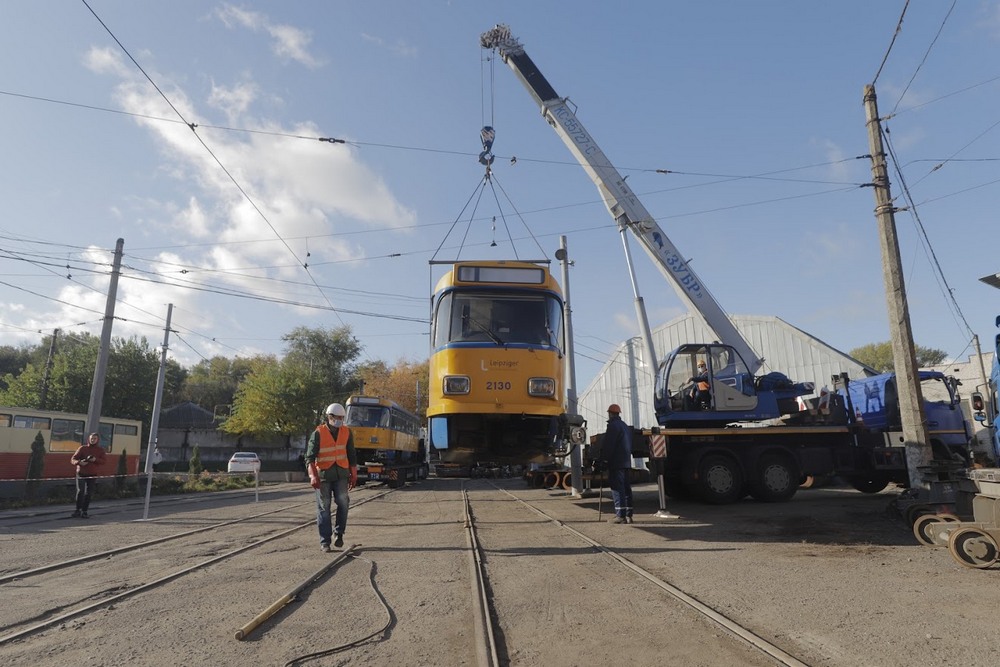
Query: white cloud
point(289, 43)
point(400, 48)
point(233, 100)
point(105, 61)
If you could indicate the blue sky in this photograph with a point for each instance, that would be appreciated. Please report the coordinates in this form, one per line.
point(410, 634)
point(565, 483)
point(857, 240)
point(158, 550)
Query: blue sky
point(755, 108)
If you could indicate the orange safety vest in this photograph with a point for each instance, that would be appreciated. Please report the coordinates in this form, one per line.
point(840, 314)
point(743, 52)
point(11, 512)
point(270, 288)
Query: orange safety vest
point(703, 386)
point(332, 451)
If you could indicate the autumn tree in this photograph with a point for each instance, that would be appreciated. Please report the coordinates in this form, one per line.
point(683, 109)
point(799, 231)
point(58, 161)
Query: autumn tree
point(405, 383)
point(879, 356)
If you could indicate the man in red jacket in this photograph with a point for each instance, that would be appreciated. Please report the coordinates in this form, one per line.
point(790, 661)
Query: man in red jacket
point(87, 460)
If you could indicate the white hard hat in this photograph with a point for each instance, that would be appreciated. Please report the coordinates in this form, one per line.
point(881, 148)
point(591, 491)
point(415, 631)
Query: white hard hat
point(336, 409)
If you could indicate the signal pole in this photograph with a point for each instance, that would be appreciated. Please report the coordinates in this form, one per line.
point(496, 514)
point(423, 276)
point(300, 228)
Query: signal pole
point(911, 401)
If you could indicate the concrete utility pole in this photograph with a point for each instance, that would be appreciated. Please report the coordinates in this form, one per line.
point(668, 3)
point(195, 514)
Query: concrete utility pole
point(44, 398)
point(911, 401)
point(101, 368)
point(154, 420)
point(575, 456)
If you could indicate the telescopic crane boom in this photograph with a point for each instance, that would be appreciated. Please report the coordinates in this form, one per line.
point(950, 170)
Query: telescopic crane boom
point(626, 209)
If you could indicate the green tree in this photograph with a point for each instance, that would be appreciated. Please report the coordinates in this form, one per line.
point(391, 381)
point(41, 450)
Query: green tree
point(212, 383)
point(130, 381)
point(13, 361)
point(329, 355)
point(277, 398)
point(36, 465)
point(194, 464)
point(879, 356)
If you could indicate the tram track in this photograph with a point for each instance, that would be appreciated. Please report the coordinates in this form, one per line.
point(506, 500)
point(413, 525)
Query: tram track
point(736, 629)
point(491, 613)
point(106, 592)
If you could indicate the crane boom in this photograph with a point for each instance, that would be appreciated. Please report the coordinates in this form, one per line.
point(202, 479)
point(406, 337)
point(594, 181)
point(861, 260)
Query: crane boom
point(621, 202)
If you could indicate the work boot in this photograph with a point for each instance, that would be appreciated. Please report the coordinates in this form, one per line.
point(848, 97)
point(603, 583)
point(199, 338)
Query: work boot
point(84, 515)
point(75, 514)
point(629, 519)
point(325, 548)
point(339, 542)
point(619, 519)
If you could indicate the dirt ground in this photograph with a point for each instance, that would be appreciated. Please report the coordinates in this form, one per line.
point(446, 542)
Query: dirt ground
point(831, 577)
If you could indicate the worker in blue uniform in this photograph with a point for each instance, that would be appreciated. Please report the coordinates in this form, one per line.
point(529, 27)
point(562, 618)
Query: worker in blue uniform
point(616, 452)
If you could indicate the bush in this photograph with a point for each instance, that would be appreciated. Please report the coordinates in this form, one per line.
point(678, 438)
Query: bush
point(194, 465)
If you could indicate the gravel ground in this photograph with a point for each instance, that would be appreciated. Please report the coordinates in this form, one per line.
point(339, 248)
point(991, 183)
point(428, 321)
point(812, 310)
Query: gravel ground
point(830, 577)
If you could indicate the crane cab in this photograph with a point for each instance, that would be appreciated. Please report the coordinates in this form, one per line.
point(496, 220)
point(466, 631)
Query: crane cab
point(723, 392)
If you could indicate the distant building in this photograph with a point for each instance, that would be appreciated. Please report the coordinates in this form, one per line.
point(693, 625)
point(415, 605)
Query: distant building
point(185, 425)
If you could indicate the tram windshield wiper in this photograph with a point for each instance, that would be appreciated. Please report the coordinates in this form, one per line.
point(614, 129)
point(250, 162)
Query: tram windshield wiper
point(486, 330)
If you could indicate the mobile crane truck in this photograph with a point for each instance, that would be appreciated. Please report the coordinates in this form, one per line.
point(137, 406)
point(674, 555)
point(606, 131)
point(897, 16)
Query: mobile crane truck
point(750, 437)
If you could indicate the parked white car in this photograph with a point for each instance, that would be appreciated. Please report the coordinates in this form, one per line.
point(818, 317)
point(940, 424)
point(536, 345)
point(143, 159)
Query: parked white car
point(244, 462)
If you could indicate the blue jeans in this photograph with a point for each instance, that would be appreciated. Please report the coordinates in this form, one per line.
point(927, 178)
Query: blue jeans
point(338, 490)
point(621, 492)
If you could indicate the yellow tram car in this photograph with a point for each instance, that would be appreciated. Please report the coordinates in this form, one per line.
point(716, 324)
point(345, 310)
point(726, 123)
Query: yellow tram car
point(497, 364)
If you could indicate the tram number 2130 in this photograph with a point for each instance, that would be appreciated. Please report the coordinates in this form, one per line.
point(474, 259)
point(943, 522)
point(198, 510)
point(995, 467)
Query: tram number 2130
point(497, 386)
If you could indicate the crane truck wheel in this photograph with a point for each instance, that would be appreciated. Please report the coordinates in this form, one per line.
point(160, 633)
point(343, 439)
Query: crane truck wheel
point(869, 484)
point(720, 480)
point(775, 479)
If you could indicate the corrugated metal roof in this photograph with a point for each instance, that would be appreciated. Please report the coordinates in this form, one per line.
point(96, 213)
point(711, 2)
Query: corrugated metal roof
point(785, 349)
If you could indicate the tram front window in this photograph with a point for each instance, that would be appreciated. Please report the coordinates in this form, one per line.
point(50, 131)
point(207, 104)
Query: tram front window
point(503, 319)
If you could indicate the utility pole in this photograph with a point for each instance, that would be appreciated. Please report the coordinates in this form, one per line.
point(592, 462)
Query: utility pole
point(154, 420)
point(43, 399)
point(911, 402)
point(101, 368)
point(575, 455)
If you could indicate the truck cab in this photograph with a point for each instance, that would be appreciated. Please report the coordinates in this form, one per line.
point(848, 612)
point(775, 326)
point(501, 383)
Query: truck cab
point(734, 394)
point(875, 400)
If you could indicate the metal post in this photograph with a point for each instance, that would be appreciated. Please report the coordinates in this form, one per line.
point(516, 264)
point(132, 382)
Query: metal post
point(575, 455)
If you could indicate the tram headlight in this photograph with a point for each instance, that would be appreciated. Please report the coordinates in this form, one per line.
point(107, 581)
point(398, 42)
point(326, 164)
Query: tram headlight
point(456, 385)
point(541, 387)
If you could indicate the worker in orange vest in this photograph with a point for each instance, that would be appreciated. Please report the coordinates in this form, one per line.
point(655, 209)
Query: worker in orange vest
point(701, 395)
point(333, 470)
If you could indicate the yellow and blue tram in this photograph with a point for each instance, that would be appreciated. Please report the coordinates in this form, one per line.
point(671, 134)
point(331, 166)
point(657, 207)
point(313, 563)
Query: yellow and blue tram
point(388, 440)
point(497, 383)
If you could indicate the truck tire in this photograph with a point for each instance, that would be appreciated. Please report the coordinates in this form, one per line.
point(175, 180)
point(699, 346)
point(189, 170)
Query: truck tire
point(775, 479)
point(720, 480)
point(872, 484)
